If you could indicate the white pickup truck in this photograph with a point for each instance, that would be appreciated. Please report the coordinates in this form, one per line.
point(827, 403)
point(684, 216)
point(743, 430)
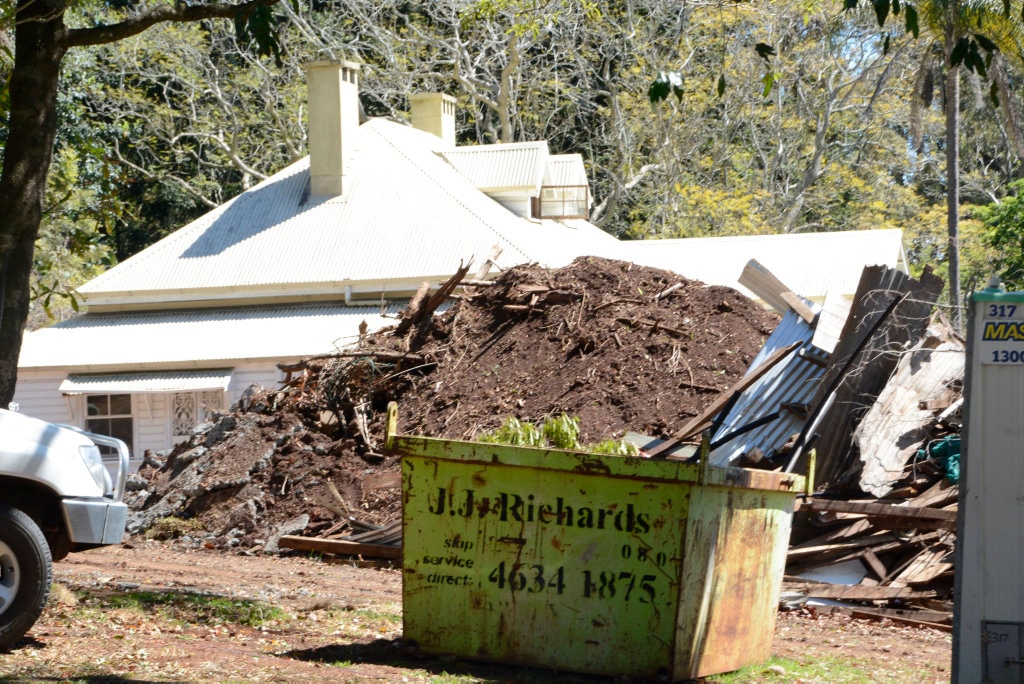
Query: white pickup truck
point(56, 496)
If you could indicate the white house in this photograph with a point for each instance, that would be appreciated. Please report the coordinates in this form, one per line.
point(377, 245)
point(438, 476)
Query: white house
point(290, 268)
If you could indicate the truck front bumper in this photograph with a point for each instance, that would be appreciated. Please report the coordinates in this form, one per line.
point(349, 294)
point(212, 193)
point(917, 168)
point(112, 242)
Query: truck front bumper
point(94, 522)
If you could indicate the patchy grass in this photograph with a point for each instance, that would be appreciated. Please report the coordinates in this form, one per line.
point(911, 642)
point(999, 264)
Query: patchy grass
point(785, 670)
point(168, 528)
point(189, 608)
point(97, 630)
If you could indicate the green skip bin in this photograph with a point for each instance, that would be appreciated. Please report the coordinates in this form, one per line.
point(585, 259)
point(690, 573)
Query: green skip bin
point(574, 561)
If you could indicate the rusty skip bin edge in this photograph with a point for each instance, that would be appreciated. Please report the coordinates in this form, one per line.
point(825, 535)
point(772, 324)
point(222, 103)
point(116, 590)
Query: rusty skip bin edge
point(587, 463)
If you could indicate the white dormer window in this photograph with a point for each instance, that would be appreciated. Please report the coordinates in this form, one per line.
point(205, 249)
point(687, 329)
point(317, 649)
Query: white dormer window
point(562, 202)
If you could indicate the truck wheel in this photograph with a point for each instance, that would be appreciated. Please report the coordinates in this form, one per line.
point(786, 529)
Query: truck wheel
point(25, 574)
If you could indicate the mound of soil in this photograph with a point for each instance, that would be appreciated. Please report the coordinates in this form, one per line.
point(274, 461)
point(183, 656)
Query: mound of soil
point(593, 340)
point(618, 346)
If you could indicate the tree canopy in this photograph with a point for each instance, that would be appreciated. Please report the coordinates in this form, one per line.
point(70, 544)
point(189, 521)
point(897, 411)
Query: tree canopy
point(784, 117)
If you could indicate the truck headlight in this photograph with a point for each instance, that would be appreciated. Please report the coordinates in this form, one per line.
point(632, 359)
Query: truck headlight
point(94, 462)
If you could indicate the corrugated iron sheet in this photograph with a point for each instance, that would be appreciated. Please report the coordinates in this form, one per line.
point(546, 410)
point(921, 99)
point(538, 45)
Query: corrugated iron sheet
point(565, 169)
point(502, 166)
point(792, 381)
point(409, 217)
point(890, 313)
point(143, 383)
point(202, 337)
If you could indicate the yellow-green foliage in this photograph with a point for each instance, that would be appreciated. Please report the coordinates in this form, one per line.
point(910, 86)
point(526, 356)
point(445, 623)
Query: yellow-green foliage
point(561, 432)
point(514, 432)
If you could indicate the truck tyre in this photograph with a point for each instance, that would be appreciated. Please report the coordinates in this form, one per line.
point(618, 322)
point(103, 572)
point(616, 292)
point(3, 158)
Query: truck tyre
point(25, 574)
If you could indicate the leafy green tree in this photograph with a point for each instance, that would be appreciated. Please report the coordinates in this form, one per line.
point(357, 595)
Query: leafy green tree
point(1004, 232)
point(44, 31)
point(968, 34)
point(811, 133)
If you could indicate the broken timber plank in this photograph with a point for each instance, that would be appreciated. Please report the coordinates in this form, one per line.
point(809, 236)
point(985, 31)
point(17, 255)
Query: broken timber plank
point(932, 619)
point(881, 614)
point(915, 615)
point(762, 282)
point(340, 547)
point(845, 532)
point(805, 551)
point(940, 494)
point(877, 566)
point(855, 592)
point(839, 553)
point(945, 518)
point(927, 566)
point(699, 421)
point(797, 305)
point(382, 481)
point(381, 354)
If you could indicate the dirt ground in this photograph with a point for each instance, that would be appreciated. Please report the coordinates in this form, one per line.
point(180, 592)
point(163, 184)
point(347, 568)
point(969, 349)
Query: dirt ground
point(337, 622)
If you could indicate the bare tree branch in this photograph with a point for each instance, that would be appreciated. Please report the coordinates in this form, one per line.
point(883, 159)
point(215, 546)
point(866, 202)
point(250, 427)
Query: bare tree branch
point(110, 33)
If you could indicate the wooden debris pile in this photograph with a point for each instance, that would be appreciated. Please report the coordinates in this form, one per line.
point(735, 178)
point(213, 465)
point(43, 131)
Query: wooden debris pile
point(883, 428)
point(890, 557)
point(870, 390)
point(350, 536)
point(616, 345)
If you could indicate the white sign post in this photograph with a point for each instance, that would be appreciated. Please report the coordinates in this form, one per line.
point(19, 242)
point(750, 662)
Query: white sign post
point(988, 636)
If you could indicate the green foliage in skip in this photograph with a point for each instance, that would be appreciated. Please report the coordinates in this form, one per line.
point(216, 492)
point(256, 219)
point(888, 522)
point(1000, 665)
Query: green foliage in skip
point(562, 432)
point(557, 432)
point(514, 432)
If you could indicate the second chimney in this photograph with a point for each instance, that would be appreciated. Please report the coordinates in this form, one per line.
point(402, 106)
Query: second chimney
point(434, 113)
point(333, 98)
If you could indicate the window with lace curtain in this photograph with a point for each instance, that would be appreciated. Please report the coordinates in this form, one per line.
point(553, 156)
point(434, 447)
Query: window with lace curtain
point(189, 409)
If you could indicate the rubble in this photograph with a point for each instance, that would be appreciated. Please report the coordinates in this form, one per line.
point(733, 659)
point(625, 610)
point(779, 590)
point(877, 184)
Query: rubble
point(867, 387)
point(619, 346)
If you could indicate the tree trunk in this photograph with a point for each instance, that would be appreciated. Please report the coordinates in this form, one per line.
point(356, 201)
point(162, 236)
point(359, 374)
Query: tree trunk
point(953, 189)
point(38, 51)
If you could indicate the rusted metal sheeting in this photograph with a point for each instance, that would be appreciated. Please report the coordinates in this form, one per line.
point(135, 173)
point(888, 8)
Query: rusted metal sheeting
point(590, 563)
point(792, 382)
point(894, 427)
point(890, 313)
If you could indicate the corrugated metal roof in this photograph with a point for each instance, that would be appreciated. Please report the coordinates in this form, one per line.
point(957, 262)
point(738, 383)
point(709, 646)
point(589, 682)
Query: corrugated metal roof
point(146, 383)
point(792, 381)
point(812, 264)
point(502, 166)
point(197, 338)
point(565, 169)
point(408, 217)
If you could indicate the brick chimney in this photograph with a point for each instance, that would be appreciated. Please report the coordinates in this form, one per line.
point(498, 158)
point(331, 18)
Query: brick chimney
point(333, 97)
point(434, 113)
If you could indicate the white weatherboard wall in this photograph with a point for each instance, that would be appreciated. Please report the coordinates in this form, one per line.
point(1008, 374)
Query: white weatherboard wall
point(38, 395)
point(988, 638)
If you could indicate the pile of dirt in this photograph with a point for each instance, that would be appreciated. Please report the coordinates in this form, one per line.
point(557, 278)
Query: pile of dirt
point(619, 346)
